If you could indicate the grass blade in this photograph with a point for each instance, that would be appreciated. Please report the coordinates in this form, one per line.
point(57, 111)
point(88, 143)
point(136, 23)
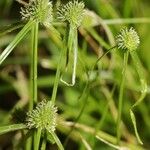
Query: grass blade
point(10, 28)
point(72, 48)
point(11, 128)
point(17, 39)
point(140, 71)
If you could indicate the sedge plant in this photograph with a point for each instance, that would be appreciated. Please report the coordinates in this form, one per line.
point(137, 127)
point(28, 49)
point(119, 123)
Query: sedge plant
point(34, 13)
point(72, 13)
point(37, 12)
point(42, 119)
point(128, 41)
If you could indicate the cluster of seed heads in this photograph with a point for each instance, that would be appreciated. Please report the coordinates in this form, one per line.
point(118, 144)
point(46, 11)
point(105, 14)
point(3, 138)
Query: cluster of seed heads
point(42, 11)
point(128, 39)
point(42, 117)
point(72, 12)
point(38, 10)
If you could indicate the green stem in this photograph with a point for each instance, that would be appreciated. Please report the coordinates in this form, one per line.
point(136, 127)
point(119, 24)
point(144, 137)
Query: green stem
point(60, 146)
point(126, 21)
point(37, 139)
point(43, 146)
point(75, 53)
point(103, 55)
point(16, 40)
point(97, 37)
point(33, 75)
point(28, 145)
point(121, 97)
point(34, 57)
point(57, 77)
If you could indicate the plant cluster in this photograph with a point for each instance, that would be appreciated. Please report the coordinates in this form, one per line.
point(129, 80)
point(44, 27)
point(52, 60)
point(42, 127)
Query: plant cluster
point(42, 118)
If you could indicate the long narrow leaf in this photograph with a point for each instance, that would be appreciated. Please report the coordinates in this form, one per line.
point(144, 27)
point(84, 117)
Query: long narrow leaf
point(10, 128)
point(16, 40)
point(139, 69)
point(72, 57)
point(10, 28)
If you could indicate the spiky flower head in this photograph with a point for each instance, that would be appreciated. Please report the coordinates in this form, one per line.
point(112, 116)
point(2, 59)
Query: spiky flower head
point(72, 12)
point(43, 116)
point(38, 10)
point(128, 39)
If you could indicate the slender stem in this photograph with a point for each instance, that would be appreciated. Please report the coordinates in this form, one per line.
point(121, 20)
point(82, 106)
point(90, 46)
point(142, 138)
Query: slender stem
point(28, 144)
point(121, 96)
point(75, 51)
point(37, 139)
point(102, 56)
point(108, 143)
point(34, 61)
point(43, 146)
point(96, 36)
point(57, 78)
point(33, 71)
point(60, 146)
point(126, 21)
point(33, 75)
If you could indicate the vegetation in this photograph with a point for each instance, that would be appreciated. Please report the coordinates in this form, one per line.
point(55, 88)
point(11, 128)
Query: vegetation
point(74, 74)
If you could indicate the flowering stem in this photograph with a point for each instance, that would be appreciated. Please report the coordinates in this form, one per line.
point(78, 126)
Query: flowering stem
point(33, 74)
point(34, 66)
point(126, 54)
point(37, 139)
point(43, 146)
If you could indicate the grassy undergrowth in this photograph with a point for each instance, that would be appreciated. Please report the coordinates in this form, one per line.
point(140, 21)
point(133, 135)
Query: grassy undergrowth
point(74, 74)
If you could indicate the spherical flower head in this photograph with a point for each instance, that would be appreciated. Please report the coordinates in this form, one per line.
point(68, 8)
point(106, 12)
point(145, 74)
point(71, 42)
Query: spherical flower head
point(42, 117)
point(128, 39)
point(72, 12)
point(38, 10)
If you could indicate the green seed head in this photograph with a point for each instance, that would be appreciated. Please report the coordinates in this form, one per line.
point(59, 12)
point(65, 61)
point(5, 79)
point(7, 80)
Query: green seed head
point(43, 117)
point(72, 12)
point(38, 10)
point(128, 39)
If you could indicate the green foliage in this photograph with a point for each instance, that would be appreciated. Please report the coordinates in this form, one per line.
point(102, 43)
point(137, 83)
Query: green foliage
point(104, 103)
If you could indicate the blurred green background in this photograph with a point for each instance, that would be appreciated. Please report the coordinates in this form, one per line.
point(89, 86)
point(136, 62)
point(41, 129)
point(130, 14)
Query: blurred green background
point(97, 105)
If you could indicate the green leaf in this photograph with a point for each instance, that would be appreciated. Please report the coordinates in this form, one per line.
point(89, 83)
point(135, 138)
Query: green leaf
point(16, 40)
point(135, 127)
point(9, 28)
point(11, 128)
point(71, 63)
